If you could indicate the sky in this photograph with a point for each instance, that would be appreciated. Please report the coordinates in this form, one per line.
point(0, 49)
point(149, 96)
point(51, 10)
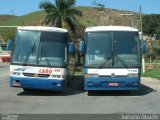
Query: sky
point(22, 7)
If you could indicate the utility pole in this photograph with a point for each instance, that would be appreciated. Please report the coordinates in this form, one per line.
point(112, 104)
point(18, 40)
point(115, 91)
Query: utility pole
point(132, 21)
point(141, 21)
point(143, 58)
point(110, 17)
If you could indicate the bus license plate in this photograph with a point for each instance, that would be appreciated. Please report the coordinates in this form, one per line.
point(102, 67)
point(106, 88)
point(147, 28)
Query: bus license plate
point(113, 84)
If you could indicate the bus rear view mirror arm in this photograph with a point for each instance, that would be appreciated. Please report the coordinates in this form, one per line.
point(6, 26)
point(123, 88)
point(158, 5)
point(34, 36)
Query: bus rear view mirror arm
point(81, 46)
point(71, 48)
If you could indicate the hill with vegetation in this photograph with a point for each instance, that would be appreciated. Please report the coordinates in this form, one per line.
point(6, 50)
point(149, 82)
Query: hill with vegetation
point(91, 17)
point(6, 17)
point(34, 18)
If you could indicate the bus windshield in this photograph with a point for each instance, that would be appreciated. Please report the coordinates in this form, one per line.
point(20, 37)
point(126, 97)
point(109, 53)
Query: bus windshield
point(40, 48)
point(112, 49)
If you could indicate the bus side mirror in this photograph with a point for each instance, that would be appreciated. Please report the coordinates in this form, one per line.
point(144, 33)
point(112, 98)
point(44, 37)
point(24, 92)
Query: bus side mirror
point(143, 47)
point(8, 44)
point(81, 46)
point(71, 48)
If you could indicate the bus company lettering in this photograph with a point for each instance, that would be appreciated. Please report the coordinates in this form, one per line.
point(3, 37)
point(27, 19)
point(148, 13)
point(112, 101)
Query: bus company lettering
point(133, 71)
point(45, 71)
point(48, 71)
point(57, 70)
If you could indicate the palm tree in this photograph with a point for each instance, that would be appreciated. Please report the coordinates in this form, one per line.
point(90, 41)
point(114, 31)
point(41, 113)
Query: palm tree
point(61, 14)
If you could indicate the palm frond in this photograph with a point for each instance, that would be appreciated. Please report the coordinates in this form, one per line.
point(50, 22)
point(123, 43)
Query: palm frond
point(57, 4)
point(62, 14)
point(57, 22)
point(71, 24)
point(47, 6)
point(49, 18)
point(70, 3)
point(61, 4)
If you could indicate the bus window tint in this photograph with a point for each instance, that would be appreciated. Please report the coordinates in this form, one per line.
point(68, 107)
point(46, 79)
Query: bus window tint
point(52, 48)
point(126, 48)
point(26, 46)
point(41, 48)
point(99, 47)
point(125, 43)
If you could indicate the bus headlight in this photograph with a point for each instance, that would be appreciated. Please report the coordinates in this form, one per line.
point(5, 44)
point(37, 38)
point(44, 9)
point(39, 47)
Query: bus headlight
point(15, 73)
point(132, 75)
point(91, 75)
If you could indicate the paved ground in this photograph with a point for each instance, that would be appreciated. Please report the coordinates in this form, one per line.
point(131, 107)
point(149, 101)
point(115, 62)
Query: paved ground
point(75, 100)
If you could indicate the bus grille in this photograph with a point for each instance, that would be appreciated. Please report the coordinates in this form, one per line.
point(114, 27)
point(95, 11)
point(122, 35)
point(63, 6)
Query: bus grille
point(36, 75)
point(43, 75)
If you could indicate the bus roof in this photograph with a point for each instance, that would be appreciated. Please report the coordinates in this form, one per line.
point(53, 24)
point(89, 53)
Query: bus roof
point(110, 28)
point(42, 28)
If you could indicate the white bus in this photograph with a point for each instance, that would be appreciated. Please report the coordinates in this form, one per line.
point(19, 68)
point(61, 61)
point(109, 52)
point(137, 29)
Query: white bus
point(112, 58)
point(39, 58)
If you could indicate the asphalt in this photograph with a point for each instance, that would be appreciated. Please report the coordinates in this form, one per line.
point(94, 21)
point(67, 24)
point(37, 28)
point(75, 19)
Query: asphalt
point(74, 100)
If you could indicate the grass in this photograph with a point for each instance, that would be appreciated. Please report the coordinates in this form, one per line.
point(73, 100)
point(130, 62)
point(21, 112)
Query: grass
point(28, 19)
point(88, 21)
point(153, 73)
point(34, 18)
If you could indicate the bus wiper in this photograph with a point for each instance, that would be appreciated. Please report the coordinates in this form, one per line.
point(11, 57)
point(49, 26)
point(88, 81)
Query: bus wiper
point(122, 61)
point(106, 61)
point(28, 55)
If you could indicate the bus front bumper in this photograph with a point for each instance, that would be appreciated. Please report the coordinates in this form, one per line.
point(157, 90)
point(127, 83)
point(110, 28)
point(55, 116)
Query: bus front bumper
point(111, 83)
point(37, 83)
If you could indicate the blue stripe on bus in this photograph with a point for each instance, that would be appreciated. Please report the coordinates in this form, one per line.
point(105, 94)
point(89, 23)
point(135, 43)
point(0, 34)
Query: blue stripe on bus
point(39, 83)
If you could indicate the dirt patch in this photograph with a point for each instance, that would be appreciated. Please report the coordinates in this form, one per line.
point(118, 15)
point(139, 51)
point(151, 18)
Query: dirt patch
point(151, 82)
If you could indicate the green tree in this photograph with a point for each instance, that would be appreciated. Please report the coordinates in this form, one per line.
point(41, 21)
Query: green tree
point(8, 34)
point(151, 24)
point(61, 14)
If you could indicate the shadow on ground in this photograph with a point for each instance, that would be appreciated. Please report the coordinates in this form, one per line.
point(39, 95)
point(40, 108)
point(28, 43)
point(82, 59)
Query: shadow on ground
point(142, 91)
